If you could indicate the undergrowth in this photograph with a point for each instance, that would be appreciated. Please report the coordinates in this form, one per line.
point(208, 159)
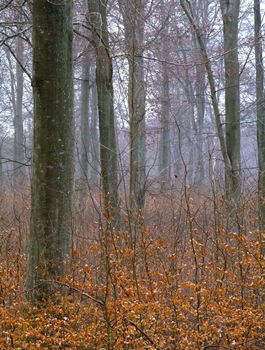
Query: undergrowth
point(183, 281)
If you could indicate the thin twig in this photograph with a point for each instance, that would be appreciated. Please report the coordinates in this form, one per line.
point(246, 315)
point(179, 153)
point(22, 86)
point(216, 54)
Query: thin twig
point(79, 291)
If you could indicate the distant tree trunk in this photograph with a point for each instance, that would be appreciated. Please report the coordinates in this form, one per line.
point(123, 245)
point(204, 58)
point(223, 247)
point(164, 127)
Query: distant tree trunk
point(260, 110)
point(84, 111)
point(200, 106)
point(190, 129)
point(202, 10)
point(230, 13)
point(133, 12)
point(232, 172)
point(176, 134)
point(94, 136)
point(176, 137)
point(108, 150)
point(53, 166)
point(18, 117)
point(17, 82)
point(164, 170)
point(1, 168)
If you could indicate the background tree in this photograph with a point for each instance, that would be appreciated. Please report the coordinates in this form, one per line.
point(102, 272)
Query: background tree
point(164, 155)
point(164, 162)
point(260, 111)
point(18, 108)
point(84, 111)
point(202, 10)
point(134, 23)
point(230, 14)
point(97, 18)
point(94, 137)
point(212, 85)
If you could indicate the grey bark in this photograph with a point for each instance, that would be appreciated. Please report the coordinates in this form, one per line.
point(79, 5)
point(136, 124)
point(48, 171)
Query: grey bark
point(208, 67)
point(18, 115)
point(202, 10)
point(95, 168)
point(1, 168)
point(260, 111)
point(176, 132)
point(84, 111)
point(164, 163)
point(133, 19)
point(53, 166)
point(195, 117)
point(200, 107)
point(97, 17)
point(230, 14)
point(17, 81)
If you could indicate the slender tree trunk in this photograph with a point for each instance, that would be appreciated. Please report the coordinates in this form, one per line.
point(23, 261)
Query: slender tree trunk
point(214, 97)
point(202, 11)
point(17, 82)
point(53, 166)
point(104, 71)
point(1, 168)
point(230, 13)
point(176, 138)
point(84, 109)
point(176, 135)
point(133, 12)
point(18, 117)
point(137, 133)
point(200, 106)
point(191, 129)
point(165, 134)
point(94, 136)
point(260, 110)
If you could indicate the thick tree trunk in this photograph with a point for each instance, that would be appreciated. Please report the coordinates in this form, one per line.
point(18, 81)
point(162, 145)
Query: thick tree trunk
point(52, 176)
point(97, 16)
point(260, 110)
point(230, 13)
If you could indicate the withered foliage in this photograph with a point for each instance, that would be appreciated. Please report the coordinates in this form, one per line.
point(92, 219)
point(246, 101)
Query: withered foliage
point(182, 282)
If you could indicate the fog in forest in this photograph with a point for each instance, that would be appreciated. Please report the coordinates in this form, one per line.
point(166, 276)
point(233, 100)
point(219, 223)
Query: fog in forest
point(132, 174)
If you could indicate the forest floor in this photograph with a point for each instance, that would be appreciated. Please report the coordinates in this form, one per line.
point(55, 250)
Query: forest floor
point(182, 281)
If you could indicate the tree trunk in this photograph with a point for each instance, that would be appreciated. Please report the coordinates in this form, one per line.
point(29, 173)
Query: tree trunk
point(84, 110)
point(214, 98)
point(94, 136)
point(18, 117)
point(108, 150)
point(133, 20)
point(260, 111)
point(1, 168)
point(164, 170)
point(17, 100)
point(230, 13)
point(200, 106)
point(53, 166)
point(137, 133)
